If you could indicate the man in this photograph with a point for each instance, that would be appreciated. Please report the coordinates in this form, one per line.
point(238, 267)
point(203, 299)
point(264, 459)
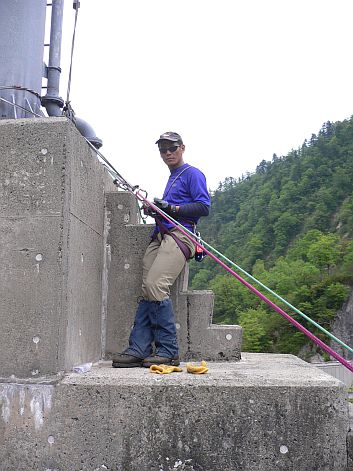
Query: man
point(185, 199)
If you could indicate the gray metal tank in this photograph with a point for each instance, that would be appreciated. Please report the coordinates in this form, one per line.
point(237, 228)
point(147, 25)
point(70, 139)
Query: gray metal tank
point(22, 29)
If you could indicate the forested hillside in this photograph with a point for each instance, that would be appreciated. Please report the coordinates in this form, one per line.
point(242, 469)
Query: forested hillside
point(290, 225)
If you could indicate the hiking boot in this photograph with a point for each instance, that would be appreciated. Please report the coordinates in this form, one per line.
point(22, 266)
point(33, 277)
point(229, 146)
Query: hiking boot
point(123, 360)
point(158, 360)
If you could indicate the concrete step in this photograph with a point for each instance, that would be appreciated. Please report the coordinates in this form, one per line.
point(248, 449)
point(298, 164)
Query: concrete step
point(263, 413)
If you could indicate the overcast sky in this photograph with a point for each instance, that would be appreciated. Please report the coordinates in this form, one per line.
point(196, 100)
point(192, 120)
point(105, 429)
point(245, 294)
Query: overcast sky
point(239, 80)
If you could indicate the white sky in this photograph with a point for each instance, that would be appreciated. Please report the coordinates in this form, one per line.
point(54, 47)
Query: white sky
point(239, 80)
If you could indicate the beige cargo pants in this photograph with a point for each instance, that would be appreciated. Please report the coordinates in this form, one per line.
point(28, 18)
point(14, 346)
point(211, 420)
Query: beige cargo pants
point(162, 263)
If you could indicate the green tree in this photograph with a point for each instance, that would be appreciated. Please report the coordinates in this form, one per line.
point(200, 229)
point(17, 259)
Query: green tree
point(230, 298)
point(255, 330)
point(325, 252)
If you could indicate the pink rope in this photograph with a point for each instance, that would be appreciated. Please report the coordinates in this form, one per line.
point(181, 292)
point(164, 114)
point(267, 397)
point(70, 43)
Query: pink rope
point(274, 306)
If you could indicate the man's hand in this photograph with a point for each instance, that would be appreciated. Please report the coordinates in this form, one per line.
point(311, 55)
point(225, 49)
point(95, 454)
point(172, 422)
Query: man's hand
point(162, 204)
point(166, 207)
point(148, 210)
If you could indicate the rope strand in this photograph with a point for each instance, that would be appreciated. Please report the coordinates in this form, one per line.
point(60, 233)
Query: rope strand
point(72, 55)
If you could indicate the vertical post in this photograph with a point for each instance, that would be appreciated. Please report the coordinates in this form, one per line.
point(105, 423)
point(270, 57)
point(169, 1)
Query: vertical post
point(52, 102)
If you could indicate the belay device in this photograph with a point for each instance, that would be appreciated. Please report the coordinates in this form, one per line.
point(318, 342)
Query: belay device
point(200, 254)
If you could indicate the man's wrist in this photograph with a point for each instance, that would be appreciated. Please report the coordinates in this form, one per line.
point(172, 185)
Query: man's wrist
point(174, 209)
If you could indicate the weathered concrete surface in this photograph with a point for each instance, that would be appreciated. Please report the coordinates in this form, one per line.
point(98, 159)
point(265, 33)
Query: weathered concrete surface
point(51, 247)
point(350, 436)
point(263, 413)
point(127, 242)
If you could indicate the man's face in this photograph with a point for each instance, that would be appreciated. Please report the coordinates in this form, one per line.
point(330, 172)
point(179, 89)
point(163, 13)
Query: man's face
point(171, 153)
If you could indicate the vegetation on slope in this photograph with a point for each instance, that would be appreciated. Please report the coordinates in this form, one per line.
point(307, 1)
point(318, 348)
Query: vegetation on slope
point(291, 226)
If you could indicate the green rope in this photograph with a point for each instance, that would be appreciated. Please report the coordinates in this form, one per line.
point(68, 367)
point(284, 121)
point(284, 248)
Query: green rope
point(347, 347)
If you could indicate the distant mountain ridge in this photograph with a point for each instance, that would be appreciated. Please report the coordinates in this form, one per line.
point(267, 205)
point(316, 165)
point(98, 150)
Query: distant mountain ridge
point(291, 225)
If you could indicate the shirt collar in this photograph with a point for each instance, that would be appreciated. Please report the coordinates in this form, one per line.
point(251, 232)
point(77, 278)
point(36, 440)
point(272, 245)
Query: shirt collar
point(175, 171)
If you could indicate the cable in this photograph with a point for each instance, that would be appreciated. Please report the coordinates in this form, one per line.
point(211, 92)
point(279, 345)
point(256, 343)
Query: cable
point(121, 182)
point(18, 87)
point(21, 107)
point(72, 53)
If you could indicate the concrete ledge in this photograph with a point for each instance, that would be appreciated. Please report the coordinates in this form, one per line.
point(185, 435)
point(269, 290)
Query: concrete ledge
point(263, 413)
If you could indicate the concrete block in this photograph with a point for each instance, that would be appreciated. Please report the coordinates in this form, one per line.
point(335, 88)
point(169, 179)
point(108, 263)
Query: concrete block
point(31, 293)
point(32, 167)
point(263, 413)
point(122, 209)
point(52, 197)
point(206, 340)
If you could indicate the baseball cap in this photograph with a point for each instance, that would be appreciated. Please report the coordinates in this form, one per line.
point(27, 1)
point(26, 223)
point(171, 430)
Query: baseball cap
point(170, 136)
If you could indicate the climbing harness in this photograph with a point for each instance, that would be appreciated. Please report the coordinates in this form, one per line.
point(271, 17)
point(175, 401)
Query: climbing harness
point(182, 246)
point(200, 254)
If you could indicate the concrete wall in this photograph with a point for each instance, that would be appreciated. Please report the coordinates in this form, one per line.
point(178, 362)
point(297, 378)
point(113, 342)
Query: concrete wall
point(264, 413)
point(126, 244)
point(51, 234)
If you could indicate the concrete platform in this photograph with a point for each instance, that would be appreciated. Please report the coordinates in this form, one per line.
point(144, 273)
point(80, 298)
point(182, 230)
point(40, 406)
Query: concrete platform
point(264, 413)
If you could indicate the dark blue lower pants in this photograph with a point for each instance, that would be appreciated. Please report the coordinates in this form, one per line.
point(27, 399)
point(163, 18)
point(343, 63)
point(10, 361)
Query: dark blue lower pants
point(154, 323)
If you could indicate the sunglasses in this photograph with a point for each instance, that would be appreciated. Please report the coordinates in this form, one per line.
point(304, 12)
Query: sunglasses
point(170, 149)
